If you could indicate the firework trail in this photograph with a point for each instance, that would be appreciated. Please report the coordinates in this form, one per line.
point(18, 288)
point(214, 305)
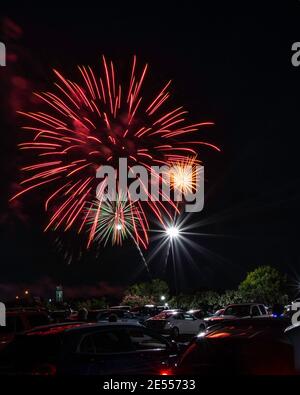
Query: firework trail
point(115, 220)
point(94, 122)
point(141, 255)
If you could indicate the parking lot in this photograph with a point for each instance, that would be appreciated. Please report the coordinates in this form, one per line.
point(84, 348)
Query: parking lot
point(149, 342)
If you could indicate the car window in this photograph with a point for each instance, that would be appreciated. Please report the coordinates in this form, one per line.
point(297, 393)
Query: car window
point(188, 317)
point(103, 316)
point(110, 341)
point(37, 320)
point(142, 340)
point(107, 314)
point(178, 316)
point(262, 309)
point(199, 314)
point(128, 315)
point(164, 315)
point(119, 314)
point(255, 311)
point(238, 311)
point(87, 345)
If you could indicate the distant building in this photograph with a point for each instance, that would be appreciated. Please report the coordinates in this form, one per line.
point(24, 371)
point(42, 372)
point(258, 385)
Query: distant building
point(59, 294)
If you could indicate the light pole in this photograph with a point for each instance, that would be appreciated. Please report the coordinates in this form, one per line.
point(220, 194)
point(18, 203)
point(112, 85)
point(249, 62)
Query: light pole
point(173, 233)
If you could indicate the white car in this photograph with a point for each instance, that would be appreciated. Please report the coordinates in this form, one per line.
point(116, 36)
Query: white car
point(175, 323)
point(115, 315)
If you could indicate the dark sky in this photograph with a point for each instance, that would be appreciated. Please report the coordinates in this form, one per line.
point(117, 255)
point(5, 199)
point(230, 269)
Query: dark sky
point(230, 65)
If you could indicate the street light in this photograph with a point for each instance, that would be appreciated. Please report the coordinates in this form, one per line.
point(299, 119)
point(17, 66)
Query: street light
point(26, 292)
point(162, 298)
point(172, 232)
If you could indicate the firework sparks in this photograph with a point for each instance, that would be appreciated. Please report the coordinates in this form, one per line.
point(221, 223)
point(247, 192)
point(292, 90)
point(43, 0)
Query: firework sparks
point(116, 220)
point(183, 175)
point(93, 123)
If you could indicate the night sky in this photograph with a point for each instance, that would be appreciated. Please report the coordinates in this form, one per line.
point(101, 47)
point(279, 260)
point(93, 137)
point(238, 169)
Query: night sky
point(230, 65)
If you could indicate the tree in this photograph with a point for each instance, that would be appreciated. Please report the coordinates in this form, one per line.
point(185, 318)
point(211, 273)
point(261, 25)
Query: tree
point(152, 290)
point(264, 284)
point(181, 301)
point(205, 299)
point(136, 300)
point(91, 304)
point(229, 297)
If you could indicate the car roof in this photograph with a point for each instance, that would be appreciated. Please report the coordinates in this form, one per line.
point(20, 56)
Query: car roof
point(73, 327)
point(114, 311)
point(242, 304)
point(245, 328)
point(255, 322)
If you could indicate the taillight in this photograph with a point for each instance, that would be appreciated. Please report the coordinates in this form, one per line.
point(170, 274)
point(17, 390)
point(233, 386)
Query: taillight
point(44, 370)
point(166, 372)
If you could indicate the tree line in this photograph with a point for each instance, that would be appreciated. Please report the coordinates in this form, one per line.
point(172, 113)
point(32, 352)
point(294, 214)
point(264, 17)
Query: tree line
point(264, 285)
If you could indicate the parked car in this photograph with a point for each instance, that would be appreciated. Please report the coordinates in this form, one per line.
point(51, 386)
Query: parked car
point(148, 311)
point(93, 314)
point(218, 313)
point(143, 313)
point(243, 310)
point(20, 320)
point(88, 349)
point(175, 323)
point(117, 316)
point(198, 313)
point(59, 315)
point(126, 308)
point(255, 346)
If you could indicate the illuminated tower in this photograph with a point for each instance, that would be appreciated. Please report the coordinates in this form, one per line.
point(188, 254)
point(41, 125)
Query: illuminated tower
point(59, 294)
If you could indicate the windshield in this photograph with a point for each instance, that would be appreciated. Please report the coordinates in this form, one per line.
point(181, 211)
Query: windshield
point(164, 315)
point(238, 311)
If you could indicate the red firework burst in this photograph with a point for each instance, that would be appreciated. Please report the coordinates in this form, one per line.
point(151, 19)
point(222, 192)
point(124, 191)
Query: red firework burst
point(92, 123)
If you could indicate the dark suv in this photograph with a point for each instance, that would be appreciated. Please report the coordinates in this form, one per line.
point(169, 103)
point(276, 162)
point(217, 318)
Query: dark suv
point(243, 310)
point(20, 320)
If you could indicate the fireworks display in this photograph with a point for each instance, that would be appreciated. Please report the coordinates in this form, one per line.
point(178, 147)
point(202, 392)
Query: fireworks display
point(94, 122)
point(183, 175)
point(113, 220)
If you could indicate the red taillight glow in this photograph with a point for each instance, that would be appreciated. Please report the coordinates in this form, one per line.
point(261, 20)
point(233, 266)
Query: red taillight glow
point(219, 335)
point(44, 370)
point(166, 372)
